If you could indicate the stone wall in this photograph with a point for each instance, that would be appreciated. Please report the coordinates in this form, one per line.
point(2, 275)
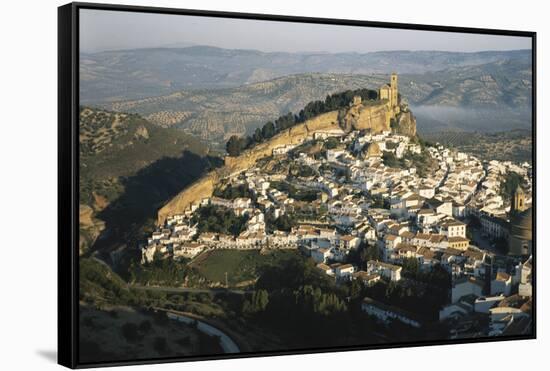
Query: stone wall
point(204, 187)
point(293, 135)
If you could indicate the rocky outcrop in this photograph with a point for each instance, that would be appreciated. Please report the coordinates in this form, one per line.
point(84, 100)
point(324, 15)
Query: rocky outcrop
point(406, 124)
point(141, 132)
point(372, 150)
point(373, 117)
point(90, 228)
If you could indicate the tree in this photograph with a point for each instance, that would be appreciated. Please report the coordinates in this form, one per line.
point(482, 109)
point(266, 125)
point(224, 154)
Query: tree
point(145, 326)
point(130, 332)
point(511, 181)
point(260, 300)
point(356, 289)
point(390, 160)
point(257, 303)
point(218, 219)
point(369, 252)
point(331, 143)
point(285, 223)
point(285, 122)
point(160, 345)
point(410, 267)
point(233, 146)
point(312, 109)
point(268, 130)
point(258, 135)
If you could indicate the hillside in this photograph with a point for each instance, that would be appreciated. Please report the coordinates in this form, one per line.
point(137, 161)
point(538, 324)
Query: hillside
point(128, 167)
point(140, 73)
point(218, 114)
point(514, 145)
point(468, 98)
point(130, 139)
point(370, 115)
point(498, 84)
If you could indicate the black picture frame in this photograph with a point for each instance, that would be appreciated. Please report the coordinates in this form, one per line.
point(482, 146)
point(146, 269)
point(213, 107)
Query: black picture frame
point(68, 175)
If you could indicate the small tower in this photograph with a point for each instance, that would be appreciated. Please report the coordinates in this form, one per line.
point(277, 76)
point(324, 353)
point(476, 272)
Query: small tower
point(518, 200)
point(394, 90)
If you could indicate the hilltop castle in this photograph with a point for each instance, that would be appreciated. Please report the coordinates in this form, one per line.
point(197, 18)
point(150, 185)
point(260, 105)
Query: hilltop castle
point(390, 93)
point(388, 109)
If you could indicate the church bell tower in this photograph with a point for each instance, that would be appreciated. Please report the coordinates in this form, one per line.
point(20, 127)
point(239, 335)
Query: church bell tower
point(518, 200)
point(394, 90)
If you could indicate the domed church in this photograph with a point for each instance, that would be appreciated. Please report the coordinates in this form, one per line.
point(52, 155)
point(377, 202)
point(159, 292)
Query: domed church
point(520, 240)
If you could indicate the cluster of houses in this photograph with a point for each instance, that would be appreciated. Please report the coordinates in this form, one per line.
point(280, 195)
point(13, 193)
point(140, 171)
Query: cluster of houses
point(363, 202)
point(506, 299)
point(489, 206)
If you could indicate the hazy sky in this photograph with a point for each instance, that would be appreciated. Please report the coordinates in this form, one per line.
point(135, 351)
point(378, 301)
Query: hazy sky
point(108, 30)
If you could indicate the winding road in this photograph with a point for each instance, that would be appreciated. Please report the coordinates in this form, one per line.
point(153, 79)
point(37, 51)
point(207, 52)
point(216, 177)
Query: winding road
point(226, 342)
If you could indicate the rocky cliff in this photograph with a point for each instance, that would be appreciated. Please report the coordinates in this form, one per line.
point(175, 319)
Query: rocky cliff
point(406, 124)
point(373, 116)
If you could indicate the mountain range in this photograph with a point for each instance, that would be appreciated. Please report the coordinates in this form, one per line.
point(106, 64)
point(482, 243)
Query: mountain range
point(213, 93)
point(141, 73)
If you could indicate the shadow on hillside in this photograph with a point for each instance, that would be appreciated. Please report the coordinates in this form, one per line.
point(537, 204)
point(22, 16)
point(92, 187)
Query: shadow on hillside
point(132, 215)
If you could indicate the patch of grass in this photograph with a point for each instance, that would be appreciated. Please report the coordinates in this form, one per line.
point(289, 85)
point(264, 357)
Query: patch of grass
point(240, 265)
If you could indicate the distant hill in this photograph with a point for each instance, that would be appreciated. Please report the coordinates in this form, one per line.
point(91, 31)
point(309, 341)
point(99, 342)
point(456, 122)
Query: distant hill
point(128, 169)
point(216, 114)
point(501, 84)
point(467, 98)
point(513, 145)
point(140, 73)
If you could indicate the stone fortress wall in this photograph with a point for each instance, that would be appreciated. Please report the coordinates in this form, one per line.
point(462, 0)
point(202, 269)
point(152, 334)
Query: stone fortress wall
point(204, 186)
